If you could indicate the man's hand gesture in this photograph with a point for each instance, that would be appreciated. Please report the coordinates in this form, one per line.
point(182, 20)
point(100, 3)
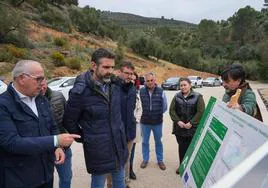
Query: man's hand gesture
point(65, 140)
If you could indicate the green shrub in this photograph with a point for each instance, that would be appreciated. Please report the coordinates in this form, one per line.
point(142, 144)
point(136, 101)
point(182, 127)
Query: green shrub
point(48, 38)
point(60, 41)
point(120, 54)
point(89, 50)
point(74, 63)
point(83, 56)
point(252, 71)
point(37, 3)
point(5, 56)
point(5, 68)
point(12, 27)
point(58, 59)
point(57, 19)
point(78, 48)
point(19, 39)
point(15, 51)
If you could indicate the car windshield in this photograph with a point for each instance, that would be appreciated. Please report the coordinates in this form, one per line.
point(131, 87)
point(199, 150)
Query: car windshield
point(192, 77)
point(55, 82)
point(1, 83)
point(210, 78)
point(172, 80)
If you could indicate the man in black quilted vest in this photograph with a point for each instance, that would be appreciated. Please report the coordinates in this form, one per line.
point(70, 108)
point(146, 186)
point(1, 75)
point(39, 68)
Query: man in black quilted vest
point(57, 103)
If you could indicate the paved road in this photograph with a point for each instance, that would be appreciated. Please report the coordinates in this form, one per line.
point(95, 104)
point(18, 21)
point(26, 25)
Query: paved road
point(152, 176)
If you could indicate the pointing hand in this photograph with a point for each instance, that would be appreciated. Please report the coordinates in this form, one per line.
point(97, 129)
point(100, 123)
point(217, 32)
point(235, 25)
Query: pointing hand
point(65, 140)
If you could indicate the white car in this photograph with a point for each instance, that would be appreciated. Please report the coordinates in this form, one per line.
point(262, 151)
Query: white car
point(3, 87)
point(212, 81)
point(196, 81)
point(62, 84)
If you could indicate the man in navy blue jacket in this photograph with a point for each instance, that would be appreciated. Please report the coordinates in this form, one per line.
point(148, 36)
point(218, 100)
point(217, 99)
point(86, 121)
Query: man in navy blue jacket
point(28, 135)
point(128, 103)
point(94, 112)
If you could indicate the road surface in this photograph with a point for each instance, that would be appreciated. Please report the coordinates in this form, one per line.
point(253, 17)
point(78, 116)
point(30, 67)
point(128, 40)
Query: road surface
point(152, 176)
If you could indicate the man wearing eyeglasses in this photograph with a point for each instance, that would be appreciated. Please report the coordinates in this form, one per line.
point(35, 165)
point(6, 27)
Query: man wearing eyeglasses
point(154, 104)
point(28, 135)
point(128, 103)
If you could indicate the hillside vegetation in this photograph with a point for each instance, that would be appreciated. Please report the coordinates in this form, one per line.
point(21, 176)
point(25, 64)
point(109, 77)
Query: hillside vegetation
point(63, 36)
point(209, 47)
point(132, 21)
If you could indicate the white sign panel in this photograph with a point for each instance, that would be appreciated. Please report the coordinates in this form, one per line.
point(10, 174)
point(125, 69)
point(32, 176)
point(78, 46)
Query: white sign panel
point(224, 138)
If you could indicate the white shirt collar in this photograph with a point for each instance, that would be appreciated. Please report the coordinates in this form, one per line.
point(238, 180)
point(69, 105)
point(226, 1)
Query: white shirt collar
point(29, 101)
point(19, 93)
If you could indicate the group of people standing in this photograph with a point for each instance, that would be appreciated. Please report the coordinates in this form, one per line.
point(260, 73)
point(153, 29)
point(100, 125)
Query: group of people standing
point(103, 112)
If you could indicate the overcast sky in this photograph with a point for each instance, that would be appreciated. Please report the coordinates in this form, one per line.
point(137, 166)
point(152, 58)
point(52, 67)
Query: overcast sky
point(186, 10)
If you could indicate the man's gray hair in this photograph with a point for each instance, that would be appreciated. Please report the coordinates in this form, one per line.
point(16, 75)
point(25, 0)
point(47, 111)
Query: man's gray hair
point(23, 66)
point(150, 74)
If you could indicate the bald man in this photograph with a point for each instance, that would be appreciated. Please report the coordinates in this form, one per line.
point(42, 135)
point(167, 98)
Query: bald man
point(28, 135)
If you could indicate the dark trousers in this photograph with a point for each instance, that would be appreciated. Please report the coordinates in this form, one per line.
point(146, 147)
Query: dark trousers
point(184, 143)
point(48, 184)
point(132, 155)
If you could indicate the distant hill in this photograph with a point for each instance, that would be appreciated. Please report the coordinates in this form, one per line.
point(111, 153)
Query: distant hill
point(132, 21)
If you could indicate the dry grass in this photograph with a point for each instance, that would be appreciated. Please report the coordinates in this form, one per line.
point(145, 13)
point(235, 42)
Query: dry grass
point(37, 33)
point(162, 69)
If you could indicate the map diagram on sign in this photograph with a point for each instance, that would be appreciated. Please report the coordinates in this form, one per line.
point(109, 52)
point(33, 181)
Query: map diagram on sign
point(235, 151)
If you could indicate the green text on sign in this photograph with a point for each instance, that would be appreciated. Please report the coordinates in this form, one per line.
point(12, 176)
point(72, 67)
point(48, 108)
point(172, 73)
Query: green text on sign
point(218, 128)
point(204, 158)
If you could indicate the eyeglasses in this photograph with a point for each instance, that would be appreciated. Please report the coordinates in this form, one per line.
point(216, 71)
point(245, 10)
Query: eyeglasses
point(149, 80)
point(39, 79)
point(129, 73)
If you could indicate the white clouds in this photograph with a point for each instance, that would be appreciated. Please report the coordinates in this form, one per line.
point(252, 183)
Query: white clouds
point(186, 10)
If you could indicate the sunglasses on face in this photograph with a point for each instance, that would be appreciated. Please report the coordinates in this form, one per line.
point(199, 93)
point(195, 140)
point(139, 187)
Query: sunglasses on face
point(149, 80)
point(39, 79)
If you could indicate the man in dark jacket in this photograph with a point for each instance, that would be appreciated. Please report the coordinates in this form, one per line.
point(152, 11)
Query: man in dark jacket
point(28, 135)
point(57, 103)
point(128, 103)
point(154, 104)
point(94, 112)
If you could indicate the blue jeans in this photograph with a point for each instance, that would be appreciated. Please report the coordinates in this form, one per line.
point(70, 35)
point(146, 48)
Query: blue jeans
point(157, 131)
point(118, 179)
point(65, 170)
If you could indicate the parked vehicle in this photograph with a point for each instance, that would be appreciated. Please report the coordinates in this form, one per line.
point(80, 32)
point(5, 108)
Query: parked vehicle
point(171, 84)
point(196, 81)
point(220, 80)
point(62, 84)
point(3, 87)
point(212, 81)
